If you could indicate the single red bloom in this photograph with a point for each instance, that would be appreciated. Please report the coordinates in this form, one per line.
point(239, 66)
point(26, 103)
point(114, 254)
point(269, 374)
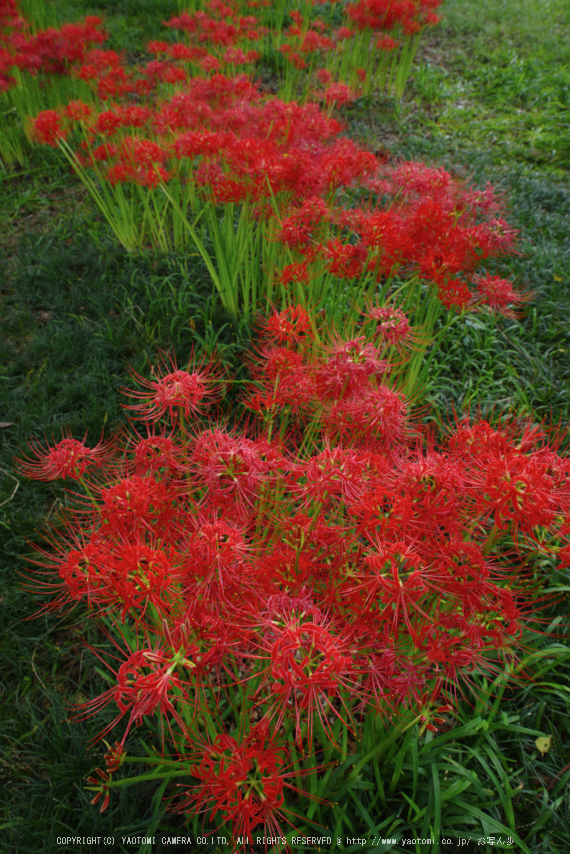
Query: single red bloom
point(47, 128)
point(289, 326)
point(334, 473)
point(155, 454)
point(77, 111)
point(454, 292)
point(233, 468)
point(68, 458)
point(147, 681)
point(348, 371)
point(345, 260)
point(85, 572)
point(309, 666)
point(499, 294)
point(140, 576)
point(138, 503)
point(517, 488)
point(393, 325)
point(244, 780)
point(377, 416)
point(176, 392)
point(339, 94)
point(216, 559)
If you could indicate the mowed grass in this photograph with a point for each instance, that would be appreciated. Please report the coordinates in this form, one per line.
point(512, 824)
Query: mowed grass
point(490, 85)
point(502, 112)
point(488, 99)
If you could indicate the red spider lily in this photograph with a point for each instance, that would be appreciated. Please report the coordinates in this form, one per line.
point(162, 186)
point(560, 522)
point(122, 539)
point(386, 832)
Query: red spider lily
point(141, 577)
point(516, 482)
point(350, 367)
point(67, 458)
point(339, 93)
point(454, 293)
point(156, 454)
point(297, 272)
point(347, 569)
point(519, 489)
point(111, 575)
point(377, 416)
point(144, 683)
point(245, 781)
point(276, 363)
point(149, 680)
point(309, 667)
point(298, 228)
point(388, 14)
point(137, 503)
point(84, 572)
point(79, 563)
point(115, 757)
point(386, 43)
point(176, 392)
point(101, 787)
point(393, 326)
point(284, 374)
point(305, 581)
point(235, 145)
point(499, 294)
point(292, 325)
point(394, 586)
point(232, 469)
point(216, 559)
point(217, 630)
point(48, 129)
point(50, 51)
point(77, 111)
point(334, 473)
point(345, 260)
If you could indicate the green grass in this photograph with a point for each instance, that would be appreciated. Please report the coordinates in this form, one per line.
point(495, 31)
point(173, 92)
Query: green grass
point(488, 99)
point(489, 87)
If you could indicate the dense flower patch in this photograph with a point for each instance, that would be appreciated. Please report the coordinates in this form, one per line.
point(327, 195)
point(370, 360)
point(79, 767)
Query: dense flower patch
point(48, 52)
point(279, 204)
point(304, 208)
point(321, 574)
point(276, 586)
point(308, 55)
point(227, 36)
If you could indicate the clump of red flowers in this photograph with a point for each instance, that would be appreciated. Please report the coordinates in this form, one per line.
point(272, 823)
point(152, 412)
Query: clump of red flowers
point(224, 142)
point(225, 37)
point(49, 52)
point(272, 584)
point(190, 124)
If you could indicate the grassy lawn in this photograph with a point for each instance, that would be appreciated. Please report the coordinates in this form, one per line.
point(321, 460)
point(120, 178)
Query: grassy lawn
point(489, 98)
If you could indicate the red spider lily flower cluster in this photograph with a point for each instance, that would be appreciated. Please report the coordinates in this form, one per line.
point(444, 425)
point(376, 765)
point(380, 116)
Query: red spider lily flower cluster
point(387, 15)
point(373, 49)
point(220, 139)
point(228, 36)
point(308, 46)
point(49, 52)
point(431, 226)
point(244, 781)
point(226, 142)
point(67, 458)
point(269, 585)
